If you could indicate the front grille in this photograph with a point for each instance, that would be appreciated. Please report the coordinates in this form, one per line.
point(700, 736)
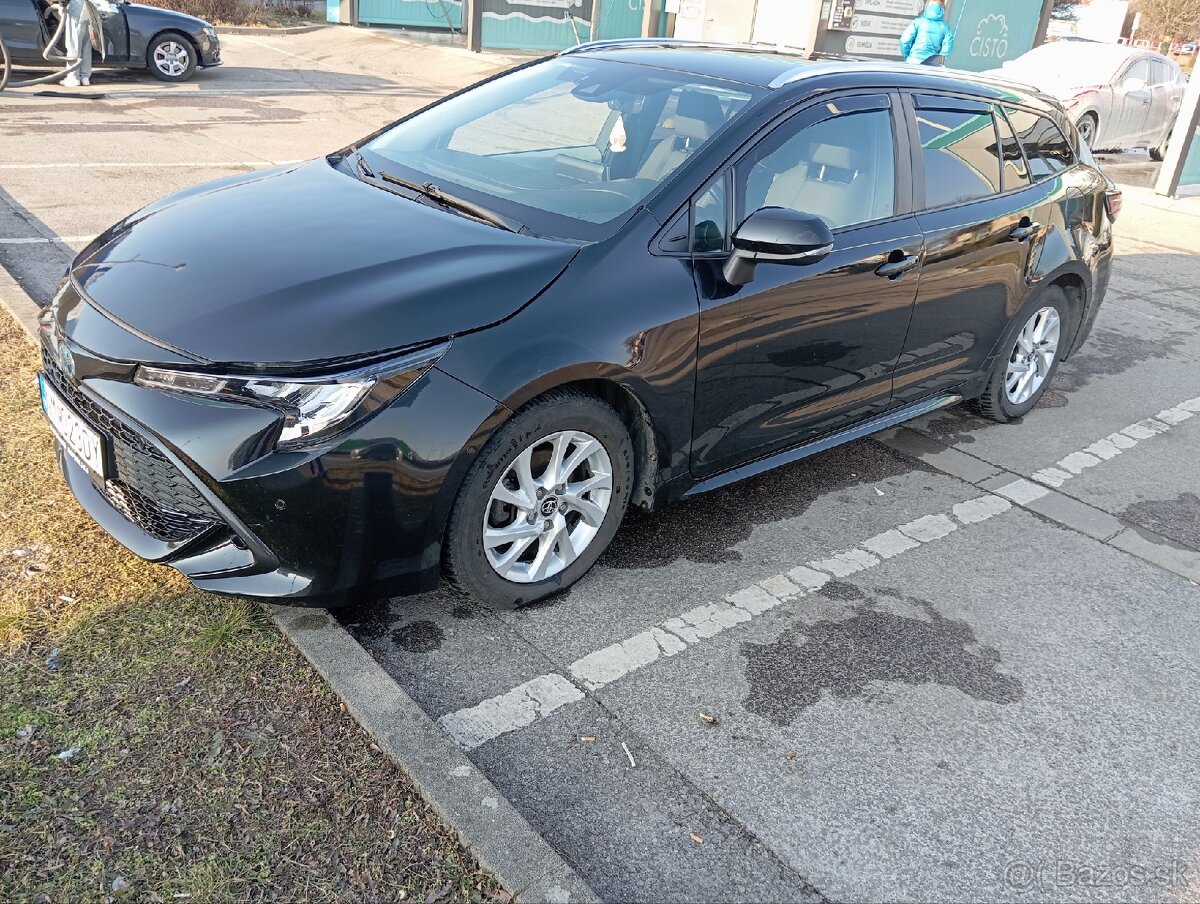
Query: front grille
point(147, 489)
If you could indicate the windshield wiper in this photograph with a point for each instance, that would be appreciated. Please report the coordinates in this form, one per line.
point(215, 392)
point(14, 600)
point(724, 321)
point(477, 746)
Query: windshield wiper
point(452, 202)
point(364, 168)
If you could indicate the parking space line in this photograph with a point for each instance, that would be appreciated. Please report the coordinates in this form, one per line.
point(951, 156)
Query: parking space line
point(527, 703)
point(1114, 444)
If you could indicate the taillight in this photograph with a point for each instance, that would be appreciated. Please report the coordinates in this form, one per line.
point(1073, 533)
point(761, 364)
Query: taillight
point(1112, 203)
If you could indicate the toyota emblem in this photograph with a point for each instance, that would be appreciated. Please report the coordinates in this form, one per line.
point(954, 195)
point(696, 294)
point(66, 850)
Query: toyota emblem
point(67, 360)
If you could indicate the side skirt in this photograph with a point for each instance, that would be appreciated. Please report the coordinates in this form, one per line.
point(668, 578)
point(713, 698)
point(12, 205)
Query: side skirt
point(858, 431)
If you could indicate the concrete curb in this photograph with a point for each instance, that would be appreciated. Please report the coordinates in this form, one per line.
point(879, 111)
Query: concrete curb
point(490, 827)
point(268, 30)
point(1189, 205)
point(18, 303)
point(499, 836)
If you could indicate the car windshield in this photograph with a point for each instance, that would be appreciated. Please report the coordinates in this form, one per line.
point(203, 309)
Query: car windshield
point(1070, 63)
point(568, 146)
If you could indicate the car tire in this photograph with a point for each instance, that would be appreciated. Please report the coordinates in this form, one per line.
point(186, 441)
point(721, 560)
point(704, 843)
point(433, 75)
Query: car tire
point(1009, 394)
point(511, 482)
point(1088, 126)
point(1159, 153)
point(171, 57)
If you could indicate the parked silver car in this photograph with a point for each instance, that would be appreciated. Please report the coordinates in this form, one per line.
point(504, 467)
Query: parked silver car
point(1119, 97)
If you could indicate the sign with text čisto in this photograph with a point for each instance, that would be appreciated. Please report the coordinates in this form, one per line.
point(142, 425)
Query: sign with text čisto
point(986, 34)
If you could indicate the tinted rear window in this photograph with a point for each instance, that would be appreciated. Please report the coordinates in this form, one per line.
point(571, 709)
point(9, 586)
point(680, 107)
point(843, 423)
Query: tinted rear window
point(1046, 148)
point(962, 160)
point(1016, 174)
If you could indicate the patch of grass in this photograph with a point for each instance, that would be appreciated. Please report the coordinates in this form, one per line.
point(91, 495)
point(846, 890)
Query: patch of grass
point(171, 739)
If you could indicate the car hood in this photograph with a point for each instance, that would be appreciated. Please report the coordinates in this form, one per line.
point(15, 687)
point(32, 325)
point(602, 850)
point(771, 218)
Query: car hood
point(305, 266)
point(1057, 84)
point(138, 11)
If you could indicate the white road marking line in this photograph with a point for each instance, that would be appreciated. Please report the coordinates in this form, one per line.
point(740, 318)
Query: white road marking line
point(931, 527)
point(1103, 450)
point(41, 240)
point(298, 56)
point(523, 705)
point(1022, 491)
point(889, 544)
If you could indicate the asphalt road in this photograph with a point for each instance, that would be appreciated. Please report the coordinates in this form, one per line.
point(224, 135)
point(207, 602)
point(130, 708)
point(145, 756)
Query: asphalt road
point(955, 662)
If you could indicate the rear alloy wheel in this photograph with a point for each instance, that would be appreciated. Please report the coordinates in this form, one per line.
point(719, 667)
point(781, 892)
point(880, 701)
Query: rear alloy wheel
point(171, 58)
point(1023, 371)
point(541, 502)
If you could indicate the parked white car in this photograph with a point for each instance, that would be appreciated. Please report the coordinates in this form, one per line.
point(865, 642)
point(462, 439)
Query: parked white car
point(1118, 96)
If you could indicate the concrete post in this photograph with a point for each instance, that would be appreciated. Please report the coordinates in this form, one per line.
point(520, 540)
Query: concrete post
point(1182, 140)
point(473, 12)
point(1039, 37)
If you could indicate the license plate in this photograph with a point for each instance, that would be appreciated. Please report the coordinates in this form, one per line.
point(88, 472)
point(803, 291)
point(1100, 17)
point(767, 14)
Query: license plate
point(85, 444)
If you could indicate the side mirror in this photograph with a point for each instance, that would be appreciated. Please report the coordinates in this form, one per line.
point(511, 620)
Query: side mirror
point(1133, 83)
point(776, 235)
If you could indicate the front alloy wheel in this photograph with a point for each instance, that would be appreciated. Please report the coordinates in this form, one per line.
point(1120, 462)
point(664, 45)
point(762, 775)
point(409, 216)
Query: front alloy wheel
point(171, 58)
point(547, 507)
point(541, 501)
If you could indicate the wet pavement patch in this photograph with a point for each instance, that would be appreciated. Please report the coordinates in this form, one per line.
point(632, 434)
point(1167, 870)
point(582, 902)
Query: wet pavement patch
point(954, 428)
point(1108, 353)
point(887, 636)
point(706, 529)
point(1177, 519)
point(418, 637)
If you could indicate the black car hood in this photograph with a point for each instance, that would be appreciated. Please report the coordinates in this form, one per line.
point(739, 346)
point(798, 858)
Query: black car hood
point(307, 265)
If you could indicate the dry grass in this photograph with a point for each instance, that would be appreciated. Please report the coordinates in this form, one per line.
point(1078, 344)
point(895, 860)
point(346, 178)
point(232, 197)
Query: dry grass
point(247, 12)
point(170, 741)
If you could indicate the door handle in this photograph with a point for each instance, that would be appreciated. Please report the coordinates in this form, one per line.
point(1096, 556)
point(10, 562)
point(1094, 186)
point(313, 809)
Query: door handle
point(897, 265)
point(1026, 230)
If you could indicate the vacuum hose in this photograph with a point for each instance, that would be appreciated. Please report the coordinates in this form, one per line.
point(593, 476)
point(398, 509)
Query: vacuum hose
point(48, 54)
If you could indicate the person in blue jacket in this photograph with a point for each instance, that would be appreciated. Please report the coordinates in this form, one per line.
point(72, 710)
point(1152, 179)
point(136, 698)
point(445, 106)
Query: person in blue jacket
point(928, 40)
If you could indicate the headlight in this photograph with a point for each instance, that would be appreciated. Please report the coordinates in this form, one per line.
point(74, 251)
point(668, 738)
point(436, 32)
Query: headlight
point(313, 408)
point(210, 31)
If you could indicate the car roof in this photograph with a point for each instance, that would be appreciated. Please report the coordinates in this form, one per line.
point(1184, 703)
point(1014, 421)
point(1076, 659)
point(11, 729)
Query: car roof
point(1099, 50)
point(773, 68)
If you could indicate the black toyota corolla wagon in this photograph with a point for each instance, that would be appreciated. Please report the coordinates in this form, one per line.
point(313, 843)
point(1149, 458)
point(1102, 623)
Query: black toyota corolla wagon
point(635, 271)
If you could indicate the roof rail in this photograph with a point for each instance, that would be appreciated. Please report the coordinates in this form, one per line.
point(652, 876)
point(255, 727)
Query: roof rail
point(618, 43)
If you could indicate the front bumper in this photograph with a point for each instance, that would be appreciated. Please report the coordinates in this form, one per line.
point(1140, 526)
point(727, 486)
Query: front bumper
point(210, 50)
point(191, 486)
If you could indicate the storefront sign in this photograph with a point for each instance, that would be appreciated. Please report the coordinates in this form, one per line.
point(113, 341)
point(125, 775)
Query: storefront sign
point(908, 8)
point(872, 46)
point(879, 25)
point(987, 34)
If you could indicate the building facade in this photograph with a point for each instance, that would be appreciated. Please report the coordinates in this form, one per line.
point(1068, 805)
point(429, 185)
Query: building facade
point(987, 32)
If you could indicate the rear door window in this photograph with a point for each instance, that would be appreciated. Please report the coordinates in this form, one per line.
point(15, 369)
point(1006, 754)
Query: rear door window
point(1046, 147)
point(1016, 173)
point(961, 154)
